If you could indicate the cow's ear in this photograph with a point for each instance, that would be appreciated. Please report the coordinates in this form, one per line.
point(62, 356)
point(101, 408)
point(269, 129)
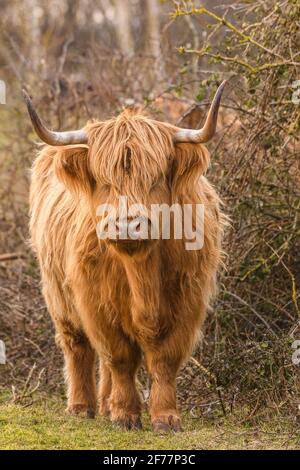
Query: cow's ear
point(190, 161)
point(72, 168)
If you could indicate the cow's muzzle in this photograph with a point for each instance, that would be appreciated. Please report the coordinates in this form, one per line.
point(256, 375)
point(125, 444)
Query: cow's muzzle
point(129, 234)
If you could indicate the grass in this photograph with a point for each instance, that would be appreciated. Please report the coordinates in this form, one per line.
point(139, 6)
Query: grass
point(44, 425)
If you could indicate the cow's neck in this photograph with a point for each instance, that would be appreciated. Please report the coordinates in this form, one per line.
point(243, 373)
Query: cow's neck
point(144, 278)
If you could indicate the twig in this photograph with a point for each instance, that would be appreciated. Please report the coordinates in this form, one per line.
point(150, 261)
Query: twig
point(11, 256)
point(242, 301)
point(214, 378)
point(244, 37)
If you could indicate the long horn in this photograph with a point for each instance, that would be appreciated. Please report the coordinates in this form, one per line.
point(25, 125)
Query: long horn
point(209, 128)
point(50, 137)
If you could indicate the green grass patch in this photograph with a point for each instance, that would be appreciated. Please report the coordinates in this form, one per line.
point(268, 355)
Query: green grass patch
point(45, 425)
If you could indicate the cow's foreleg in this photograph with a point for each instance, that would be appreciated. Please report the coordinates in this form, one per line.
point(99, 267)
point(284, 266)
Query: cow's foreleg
point(124, 403)
point(79, 371)
point(163, 366)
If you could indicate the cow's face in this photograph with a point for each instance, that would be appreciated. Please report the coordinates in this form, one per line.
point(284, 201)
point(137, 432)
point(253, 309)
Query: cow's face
point(131, 169)
point(130, 173)
point(125, 166)
point(124, 214)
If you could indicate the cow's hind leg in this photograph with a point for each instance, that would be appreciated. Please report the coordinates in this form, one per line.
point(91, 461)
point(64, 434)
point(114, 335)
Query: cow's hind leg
point(104, 390)
point(79, 370)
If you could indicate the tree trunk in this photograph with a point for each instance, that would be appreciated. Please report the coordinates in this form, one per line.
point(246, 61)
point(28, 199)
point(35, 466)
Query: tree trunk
point(123, 29)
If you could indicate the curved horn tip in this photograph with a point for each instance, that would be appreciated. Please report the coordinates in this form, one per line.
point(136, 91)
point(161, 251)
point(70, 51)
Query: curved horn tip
point(25, 95)
point(219, 92)
point(206, 133)
point(51, 137)
point(223, 84)
point(221, 87)
point(28, 100)
point(217, 98)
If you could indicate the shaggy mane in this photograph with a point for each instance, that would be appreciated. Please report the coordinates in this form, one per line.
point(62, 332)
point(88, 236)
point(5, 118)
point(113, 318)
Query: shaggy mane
point(130, 144)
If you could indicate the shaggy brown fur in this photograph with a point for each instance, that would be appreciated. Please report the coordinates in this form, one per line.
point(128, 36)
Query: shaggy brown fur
point(105, 299)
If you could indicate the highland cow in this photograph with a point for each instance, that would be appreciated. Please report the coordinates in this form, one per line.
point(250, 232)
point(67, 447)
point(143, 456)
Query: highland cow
point(123, 299)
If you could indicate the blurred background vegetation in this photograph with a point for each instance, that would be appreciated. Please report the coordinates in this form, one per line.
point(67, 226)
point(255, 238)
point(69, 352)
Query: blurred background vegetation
point(83, 59)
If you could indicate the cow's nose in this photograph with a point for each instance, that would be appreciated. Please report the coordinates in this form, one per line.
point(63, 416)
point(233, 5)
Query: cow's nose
point(137, 228)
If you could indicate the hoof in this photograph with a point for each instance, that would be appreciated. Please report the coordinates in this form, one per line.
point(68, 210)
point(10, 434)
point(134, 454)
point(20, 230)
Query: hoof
point(128, 423)
point(82, 411)
point(166, 424)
